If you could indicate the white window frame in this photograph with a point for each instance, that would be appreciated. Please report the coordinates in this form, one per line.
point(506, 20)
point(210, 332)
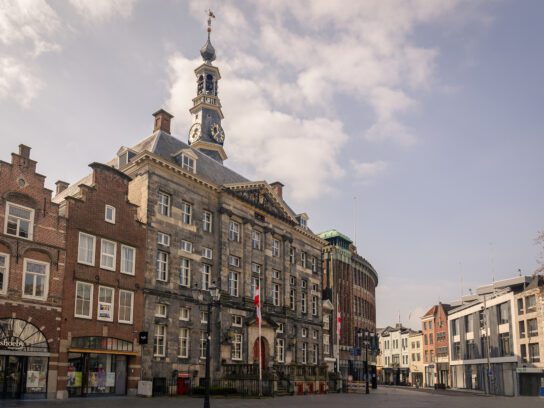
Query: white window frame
point(5, 273)
point(280, 328)
point(256, 268)
point(76, 314)
point(46, 280)
point(256, 239)
point(236, 349)
point(204, 316)
point(293, 299)
point(234, 261)
point(202, 345)
point(276, 274)
point(184, 314)
point(237, 320)
point(315, 353)
point(164, 204)
point(254, 283)
point(123, 259)
point(304, 353)
point(304, 302)
point(314, 334)
point(280, 350)
point(304, 332)
point(303, 259)
point(207, 221)
point(163, 239)
point(188, 163)
point(207, 253)
point(276, 290)
point(161, 266)
point(185, 272)
point(184, 340)
point(102, 254)
point(79, 249)
point(30, 221)
point(314, 264)
point(159, 348)
point(161, 310)
point(206, 276)
point(275, 247)
point(111, 220)
point(186, 213)
point(315, 304)
point(234, 231)
point(130, 321)
point(99, 303)
point(186, 246)
point(292, 255)
point(234, 282)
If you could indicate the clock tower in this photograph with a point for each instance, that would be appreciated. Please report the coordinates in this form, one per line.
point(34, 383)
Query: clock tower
point(206, 133)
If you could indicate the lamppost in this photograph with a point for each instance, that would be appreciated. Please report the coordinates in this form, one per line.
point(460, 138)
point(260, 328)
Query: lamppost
point(366, 341)
point(359, 335)
point(214, 298)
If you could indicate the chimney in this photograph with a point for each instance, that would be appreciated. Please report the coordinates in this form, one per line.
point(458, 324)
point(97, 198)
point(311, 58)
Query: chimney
point(278, 188)
point(61, 186)
point(162, 121)
point(24, 151)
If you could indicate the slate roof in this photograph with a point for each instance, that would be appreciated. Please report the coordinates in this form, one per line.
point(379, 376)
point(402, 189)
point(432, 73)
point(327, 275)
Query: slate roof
point(167, 146)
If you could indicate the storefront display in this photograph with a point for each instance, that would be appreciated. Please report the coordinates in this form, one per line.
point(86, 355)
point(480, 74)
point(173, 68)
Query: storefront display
point(98, 366)
point(23, 360)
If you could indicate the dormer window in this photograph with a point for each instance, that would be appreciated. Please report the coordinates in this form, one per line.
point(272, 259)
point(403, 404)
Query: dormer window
point(188, 163)
point(303, 223)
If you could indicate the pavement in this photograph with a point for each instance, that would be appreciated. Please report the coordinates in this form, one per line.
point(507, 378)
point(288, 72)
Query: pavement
point(386, 397)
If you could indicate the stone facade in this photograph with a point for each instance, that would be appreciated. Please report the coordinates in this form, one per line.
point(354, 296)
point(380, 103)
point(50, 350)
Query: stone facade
point(103, 289)
point(32, 260)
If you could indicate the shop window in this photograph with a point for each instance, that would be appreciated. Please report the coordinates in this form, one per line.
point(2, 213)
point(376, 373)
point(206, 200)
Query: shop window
point(84, 300)
point(36, 278)
point(105, 303)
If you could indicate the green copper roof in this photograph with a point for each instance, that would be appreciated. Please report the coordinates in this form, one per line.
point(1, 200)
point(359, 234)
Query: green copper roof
point(334, 234)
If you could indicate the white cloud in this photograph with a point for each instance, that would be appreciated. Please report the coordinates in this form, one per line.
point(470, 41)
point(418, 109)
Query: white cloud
point(103, 10)
point(285, 64)
point(31, 21)
point(369, 170)
point(18, 82)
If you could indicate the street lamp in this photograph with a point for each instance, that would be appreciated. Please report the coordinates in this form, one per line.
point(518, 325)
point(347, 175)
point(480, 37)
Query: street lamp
point(214, 298)
point(366, 340)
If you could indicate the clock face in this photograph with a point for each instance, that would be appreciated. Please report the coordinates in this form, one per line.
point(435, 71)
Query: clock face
point(194, 132)
point(218, 133)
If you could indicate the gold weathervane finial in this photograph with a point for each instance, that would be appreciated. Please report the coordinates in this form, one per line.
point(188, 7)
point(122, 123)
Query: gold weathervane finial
point(210, 16)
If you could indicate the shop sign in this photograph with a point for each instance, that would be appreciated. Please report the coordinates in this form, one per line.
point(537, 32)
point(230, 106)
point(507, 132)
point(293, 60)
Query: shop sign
point(12, 343)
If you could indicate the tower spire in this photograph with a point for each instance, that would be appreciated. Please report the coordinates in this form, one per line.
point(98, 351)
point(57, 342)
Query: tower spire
point(207, 51)
point(206, 133)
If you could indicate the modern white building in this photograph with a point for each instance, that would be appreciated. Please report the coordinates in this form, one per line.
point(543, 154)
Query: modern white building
point(483, 339)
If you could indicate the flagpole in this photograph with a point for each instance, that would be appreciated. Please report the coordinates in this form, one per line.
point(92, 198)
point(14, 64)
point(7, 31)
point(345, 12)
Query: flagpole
point(260, 341)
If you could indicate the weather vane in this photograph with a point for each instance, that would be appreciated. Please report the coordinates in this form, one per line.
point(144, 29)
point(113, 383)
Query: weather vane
point(210, 16)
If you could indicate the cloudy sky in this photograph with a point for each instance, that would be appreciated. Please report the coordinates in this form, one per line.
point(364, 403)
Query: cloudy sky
point(414, 126)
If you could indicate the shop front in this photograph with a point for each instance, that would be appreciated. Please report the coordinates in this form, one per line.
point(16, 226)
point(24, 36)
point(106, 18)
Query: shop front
point(98, 366)
point(24, 359)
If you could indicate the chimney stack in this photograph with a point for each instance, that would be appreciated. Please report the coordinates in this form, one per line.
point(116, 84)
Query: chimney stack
point(24, 151)
point(61, 186)
point(278, 188)
point(162, 121)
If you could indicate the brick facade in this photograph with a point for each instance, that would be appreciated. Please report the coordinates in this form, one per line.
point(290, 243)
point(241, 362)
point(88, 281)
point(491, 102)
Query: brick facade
point(435, 345)
point(33, 275)
point(84, 207)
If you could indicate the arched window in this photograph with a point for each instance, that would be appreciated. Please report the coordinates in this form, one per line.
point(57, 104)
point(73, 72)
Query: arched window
point(20, 335)
point(200, 87)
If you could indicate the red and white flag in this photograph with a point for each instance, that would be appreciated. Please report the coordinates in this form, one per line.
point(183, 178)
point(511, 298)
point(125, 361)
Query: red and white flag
point(338, 323)
point(257, 302)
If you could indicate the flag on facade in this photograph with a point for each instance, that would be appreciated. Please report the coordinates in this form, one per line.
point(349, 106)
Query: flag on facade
point(257, 302)
point(338, 323)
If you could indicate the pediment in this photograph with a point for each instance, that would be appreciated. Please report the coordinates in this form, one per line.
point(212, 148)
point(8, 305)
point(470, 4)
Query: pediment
point(261, 196)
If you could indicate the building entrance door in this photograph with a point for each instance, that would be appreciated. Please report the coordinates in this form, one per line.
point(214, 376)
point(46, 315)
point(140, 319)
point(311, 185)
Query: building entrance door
point(11, 376)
